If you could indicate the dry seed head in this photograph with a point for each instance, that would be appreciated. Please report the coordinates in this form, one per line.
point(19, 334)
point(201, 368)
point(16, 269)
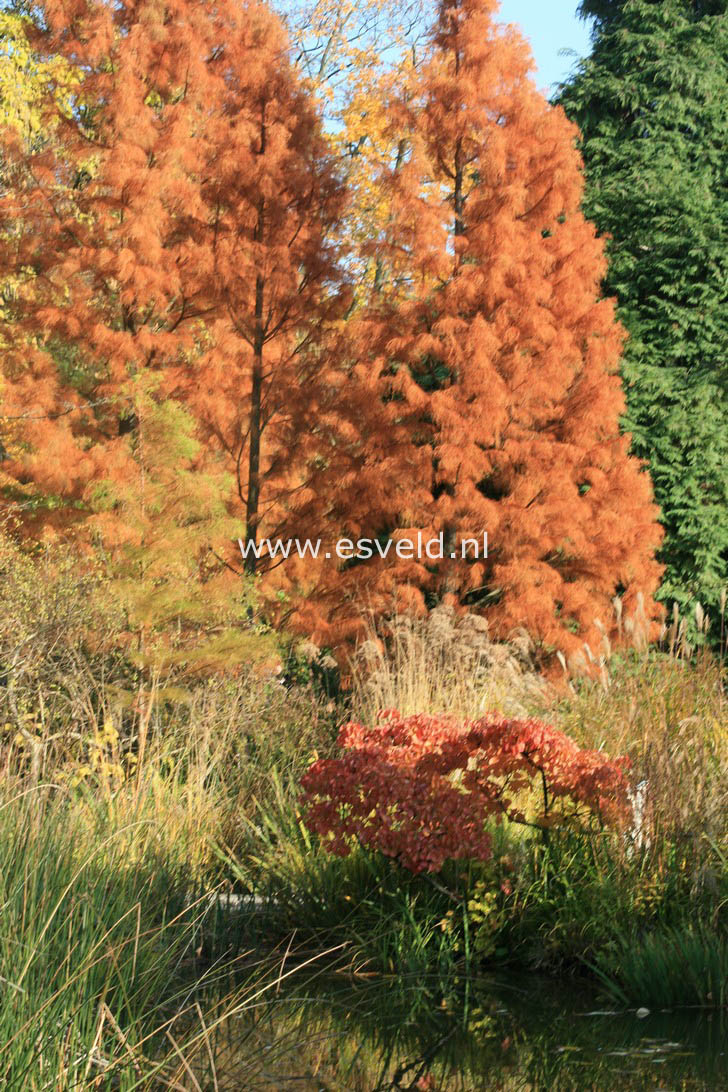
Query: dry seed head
point(700, 617)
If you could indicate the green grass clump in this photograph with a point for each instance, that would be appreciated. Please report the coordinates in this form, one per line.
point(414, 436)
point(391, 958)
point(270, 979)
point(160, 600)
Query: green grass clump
point(91, 948)
point(670, 967)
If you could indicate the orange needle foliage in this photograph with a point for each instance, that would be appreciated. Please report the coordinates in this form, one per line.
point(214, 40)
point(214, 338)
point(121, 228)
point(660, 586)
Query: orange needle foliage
point(262, 389)
point(170, 255)
point(498, 365)
point(178, 226)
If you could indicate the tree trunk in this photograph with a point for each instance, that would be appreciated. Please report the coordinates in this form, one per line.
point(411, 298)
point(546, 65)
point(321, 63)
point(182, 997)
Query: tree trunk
point(252, 505)
point(253, 501)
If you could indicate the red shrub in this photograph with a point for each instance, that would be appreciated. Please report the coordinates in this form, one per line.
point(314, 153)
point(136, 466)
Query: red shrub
point(420, 788)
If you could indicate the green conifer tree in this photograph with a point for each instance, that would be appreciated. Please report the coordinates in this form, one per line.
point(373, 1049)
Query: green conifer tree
point(653, 111)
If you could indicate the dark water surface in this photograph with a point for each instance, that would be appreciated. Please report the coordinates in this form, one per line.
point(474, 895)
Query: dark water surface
point(335, 1034)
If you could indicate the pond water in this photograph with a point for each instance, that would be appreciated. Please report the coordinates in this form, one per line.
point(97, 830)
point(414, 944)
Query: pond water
point(333, 1033)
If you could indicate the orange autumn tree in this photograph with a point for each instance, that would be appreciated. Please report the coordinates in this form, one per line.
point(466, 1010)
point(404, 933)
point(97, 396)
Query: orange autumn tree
point(177, 228)
point(264, 389)
point(101, 253)
point(107, 256)
point(499, 362)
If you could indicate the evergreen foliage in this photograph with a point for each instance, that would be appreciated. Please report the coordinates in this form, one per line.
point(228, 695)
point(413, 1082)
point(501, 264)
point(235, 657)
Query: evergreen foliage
point(651, 104)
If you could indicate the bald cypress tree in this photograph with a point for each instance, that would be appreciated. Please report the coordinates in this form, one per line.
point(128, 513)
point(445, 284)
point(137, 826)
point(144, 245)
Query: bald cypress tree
point(173, 237)
point(497, 357)
point(652, 108)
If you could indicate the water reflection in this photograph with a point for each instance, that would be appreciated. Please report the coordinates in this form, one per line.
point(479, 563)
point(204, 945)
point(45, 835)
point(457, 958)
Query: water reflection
point(388, 1035)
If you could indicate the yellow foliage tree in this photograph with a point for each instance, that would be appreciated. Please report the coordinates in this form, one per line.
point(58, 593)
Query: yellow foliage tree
point(24, 78)
point(357, 58)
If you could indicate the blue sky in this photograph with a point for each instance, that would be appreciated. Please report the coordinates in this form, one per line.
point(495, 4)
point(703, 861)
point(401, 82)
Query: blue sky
point(550, 26)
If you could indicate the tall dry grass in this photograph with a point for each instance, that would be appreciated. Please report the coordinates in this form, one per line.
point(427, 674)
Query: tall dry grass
point(666, 707)
point(445, 663)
